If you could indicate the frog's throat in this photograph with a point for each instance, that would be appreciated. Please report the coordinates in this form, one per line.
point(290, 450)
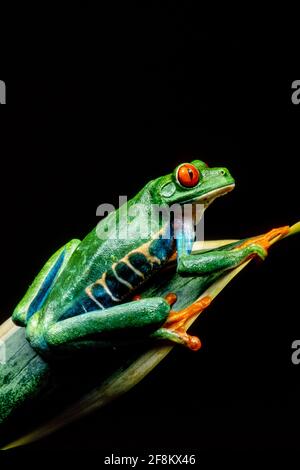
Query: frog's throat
point(185, 233)
point(209, 197)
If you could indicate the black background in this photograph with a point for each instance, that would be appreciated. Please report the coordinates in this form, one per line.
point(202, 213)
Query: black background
point(101, 107)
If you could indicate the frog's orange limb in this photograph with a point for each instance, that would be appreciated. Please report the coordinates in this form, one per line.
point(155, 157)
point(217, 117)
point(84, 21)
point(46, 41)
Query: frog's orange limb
point(267, 239)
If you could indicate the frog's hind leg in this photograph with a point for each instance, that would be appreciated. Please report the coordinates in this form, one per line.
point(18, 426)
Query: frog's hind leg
point(124, 324)
point(40, 288)
point(176, 324)
point(121, 324)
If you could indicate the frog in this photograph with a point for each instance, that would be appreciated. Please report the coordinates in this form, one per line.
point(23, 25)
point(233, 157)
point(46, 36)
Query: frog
point(87, 294)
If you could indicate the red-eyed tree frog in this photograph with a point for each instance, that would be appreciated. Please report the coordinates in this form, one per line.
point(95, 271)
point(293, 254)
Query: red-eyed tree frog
point(86, 294)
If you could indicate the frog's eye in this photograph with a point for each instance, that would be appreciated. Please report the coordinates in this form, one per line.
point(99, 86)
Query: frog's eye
point(188, 175)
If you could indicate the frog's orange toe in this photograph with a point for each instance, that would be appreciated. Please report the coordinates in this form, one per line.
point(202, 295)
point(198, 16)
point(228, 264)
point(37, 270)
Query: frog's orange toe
point(178, 319)
point(171, 298)
point(194, 343)
point(137, 297)
point(189, 341)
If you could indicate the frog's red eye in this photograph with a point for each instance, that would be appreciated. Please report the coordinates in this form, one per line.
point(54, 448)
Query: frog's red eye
point(188, 175)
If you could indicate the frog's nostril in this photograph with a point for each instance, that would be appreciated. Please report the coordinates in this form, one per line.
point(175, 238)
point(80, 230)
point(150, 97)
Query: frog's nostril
point(223, 172)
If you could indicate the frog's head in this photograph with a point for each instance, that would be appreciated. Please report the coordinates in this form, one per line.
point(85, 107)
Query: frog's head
point(194, 183)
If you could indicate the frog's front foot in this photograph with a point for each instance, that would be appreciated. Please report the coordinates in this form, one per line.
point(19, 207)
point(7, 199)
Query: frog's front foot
point(263, 242)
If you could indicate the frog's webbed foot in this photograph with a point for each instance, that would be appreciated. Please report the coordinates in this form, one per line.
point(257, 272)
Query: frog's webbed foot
point(177, 320)
point(176, 324)
point(267, 239)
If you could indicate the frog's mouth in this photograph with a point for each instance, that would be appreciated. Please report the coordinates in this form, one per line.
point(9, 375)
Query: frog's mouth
point(208, 198)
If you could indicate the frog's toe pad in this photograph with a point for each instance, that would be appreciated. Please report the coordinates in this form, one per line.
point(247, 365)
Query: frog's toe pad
point(189, 341)
point(194, 343)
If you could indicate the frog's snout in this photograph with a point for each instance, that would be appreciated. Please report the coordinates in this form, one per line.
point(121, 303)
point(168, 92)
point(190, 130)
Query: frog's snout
point(225, 172)
point(221, 172)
